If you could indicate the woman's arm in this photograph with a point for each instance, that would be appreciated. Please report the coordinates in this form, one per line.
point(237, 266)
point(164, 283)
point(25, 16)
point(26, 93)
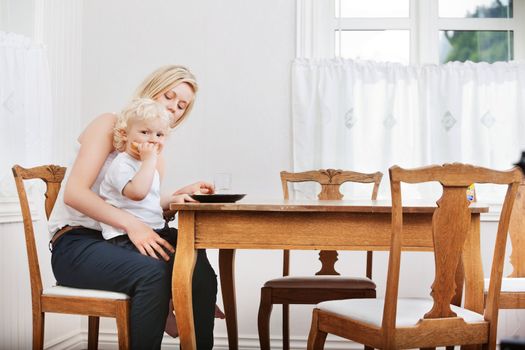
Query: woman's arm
point(96, 144)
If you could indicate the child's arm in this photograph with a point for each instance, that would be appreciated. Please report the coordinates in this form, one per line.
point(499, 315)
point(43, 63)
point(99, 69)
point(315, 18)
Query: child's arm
point(139, 186)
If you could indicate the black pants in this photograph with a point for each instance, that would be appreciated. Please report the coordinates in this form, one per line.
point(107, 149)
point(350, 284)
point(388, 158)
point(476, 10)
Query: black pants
point(83, 259)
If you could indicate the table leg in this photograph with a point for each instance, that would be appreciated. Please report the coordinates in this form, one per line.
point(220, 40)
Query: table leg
point(181, 282)
point(227, 274)
point(474, 280)
point(473, 269)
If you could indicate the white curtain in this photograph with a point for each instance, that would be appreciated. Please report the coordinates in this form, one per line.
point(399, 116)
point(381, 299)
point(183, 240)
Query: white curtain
point(25, 107)
point(367, 116)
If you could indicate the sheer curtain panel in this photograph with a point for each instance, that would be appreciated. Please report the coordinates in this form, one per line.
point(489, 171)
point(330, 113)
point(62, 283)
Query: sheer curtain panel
point(366, 116)
point(25, 107)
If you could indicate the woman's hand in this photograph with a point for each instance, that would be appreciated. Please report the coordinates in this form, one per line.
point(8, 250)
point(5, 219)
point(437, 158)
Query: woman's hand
point(181, 198)
point(201, 187)
point(183, 195)
point(175, 198)
point(148, 242)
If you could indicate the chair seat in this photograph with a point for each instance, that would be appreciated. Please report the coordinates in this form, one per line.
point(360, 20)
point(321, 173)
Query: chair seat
point(85, 293)
point(509, 284)
point(409, 310)
point(321, 282)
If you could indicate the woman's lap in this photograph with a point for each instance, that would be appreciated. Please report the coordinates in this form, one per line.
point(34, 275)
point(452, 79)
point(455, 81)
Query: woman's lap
point(83, 259)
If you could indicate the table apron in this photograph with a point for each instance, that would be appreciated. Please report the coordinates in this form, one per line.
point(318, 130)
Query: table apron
point(307, 230)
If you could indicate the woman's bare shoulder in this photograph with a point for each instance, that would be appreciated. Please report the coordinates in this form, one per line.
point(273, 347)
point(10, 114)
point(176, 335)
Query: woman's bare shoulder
point(101, 125)
point(96, 143)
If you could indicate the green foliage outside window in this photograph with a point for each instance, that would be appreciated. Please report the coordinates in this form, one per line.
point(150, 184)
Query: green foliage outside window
point(486, 46)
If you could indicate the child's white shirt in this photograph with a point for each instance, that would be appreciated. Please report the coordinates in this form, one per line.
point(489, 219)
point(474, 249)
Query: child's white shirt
point(147, 210)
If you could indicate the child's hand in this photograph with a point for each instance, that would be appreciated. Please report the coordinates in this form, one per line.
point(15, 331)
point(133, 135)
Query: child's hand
point(148, 151)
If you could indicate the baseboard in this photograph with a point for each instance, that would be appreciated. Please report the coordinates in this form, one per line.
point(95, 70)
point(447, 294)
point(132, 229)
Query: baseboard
point(108, 341)
point(296, 343)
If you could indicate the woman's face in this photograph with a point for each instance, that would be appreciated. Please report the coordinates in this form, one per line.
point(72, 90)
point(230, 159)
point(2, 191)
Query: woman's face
point(177, 100)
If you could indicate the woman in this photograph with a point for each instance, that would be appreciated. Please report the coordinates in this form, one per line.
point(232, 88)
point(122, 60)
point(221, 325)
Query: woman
point(140, 266)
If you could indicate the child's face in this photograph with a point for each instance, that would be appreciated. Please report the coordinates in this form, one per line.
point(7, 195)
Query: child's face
point(152, 131)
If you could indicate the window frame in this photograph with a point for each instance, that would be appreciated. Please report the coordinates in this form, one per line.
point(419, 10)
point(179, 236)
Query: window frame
point(316, 25)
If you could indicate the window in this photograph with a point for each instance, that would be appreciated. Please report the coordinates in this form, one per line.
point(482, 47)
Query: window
point(413, 31)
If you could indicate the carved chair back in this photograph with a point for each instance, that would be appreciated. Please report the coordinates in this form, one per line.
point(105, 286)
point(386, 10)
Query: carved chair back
point(330, 181)
point(450, 227)
point(52, 176)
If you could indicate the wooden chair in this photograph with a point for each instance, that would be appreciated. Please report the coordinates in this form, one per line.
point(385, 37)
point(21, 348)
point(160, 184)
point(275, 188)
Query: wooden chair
point(326, 284)
point(397, 323)
point(59, 299)
point(512, 295)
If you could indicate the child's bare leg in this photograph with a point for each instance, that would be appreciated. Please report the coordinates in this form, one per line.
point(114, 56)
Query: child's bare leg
point(171, 323)
point(219, 313)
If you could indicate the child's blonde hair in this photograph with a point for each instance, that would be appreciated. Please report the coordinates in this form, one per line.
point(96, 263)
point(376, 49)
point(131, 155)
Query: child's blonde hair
point(166, 78)
point(139, 109)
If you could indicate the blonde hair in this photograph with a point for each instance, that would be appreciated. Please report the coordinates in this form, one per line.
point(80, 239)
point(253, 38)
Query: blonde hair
point(141, 109)
point(166, 78)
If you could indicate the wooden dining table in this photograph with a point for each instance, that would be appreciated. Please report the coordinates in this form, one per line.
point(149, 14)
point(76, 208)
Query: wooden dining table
point(300, 225)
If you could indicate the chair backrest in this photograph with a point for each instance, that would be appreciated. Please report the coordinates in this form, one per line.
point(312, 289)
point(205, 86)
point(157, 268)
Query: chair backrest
point(517, 234)
point(450, 226)
point(330, 181)
point(52, 175)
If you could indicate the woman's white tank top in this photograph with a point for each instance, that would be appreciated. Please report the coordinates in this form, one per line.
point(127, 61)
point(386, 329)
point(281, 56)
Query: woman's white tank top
point(63, 214)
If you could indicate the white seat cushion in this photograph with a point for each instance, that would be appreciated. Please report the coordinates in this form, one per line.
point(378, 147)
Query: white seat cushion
point(409, 310)
point(87, 293)
point(509, 284)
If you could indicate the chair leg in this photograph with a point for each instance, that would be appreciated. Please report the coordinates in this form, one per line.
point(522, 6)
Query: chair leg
point(123, 325)
point(93, 332)
point(286, 326)
point(38, 330)
point(316, 338)
point(263, 319)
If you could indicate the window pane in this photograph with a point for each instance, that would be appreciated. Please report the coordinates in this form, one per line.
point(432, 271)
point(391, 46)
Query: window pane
point(476, 8)
point(476, 46)
point(372, 8)
point(378, 45)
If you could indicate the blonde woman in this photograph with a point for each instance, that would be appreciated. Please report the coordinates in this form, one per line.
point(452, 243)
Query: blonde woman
point(82, 258)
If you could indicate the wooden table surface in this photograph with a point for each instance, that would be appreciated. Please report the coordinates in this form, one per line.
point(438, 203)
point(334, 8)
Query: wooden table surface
point(299, 225)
